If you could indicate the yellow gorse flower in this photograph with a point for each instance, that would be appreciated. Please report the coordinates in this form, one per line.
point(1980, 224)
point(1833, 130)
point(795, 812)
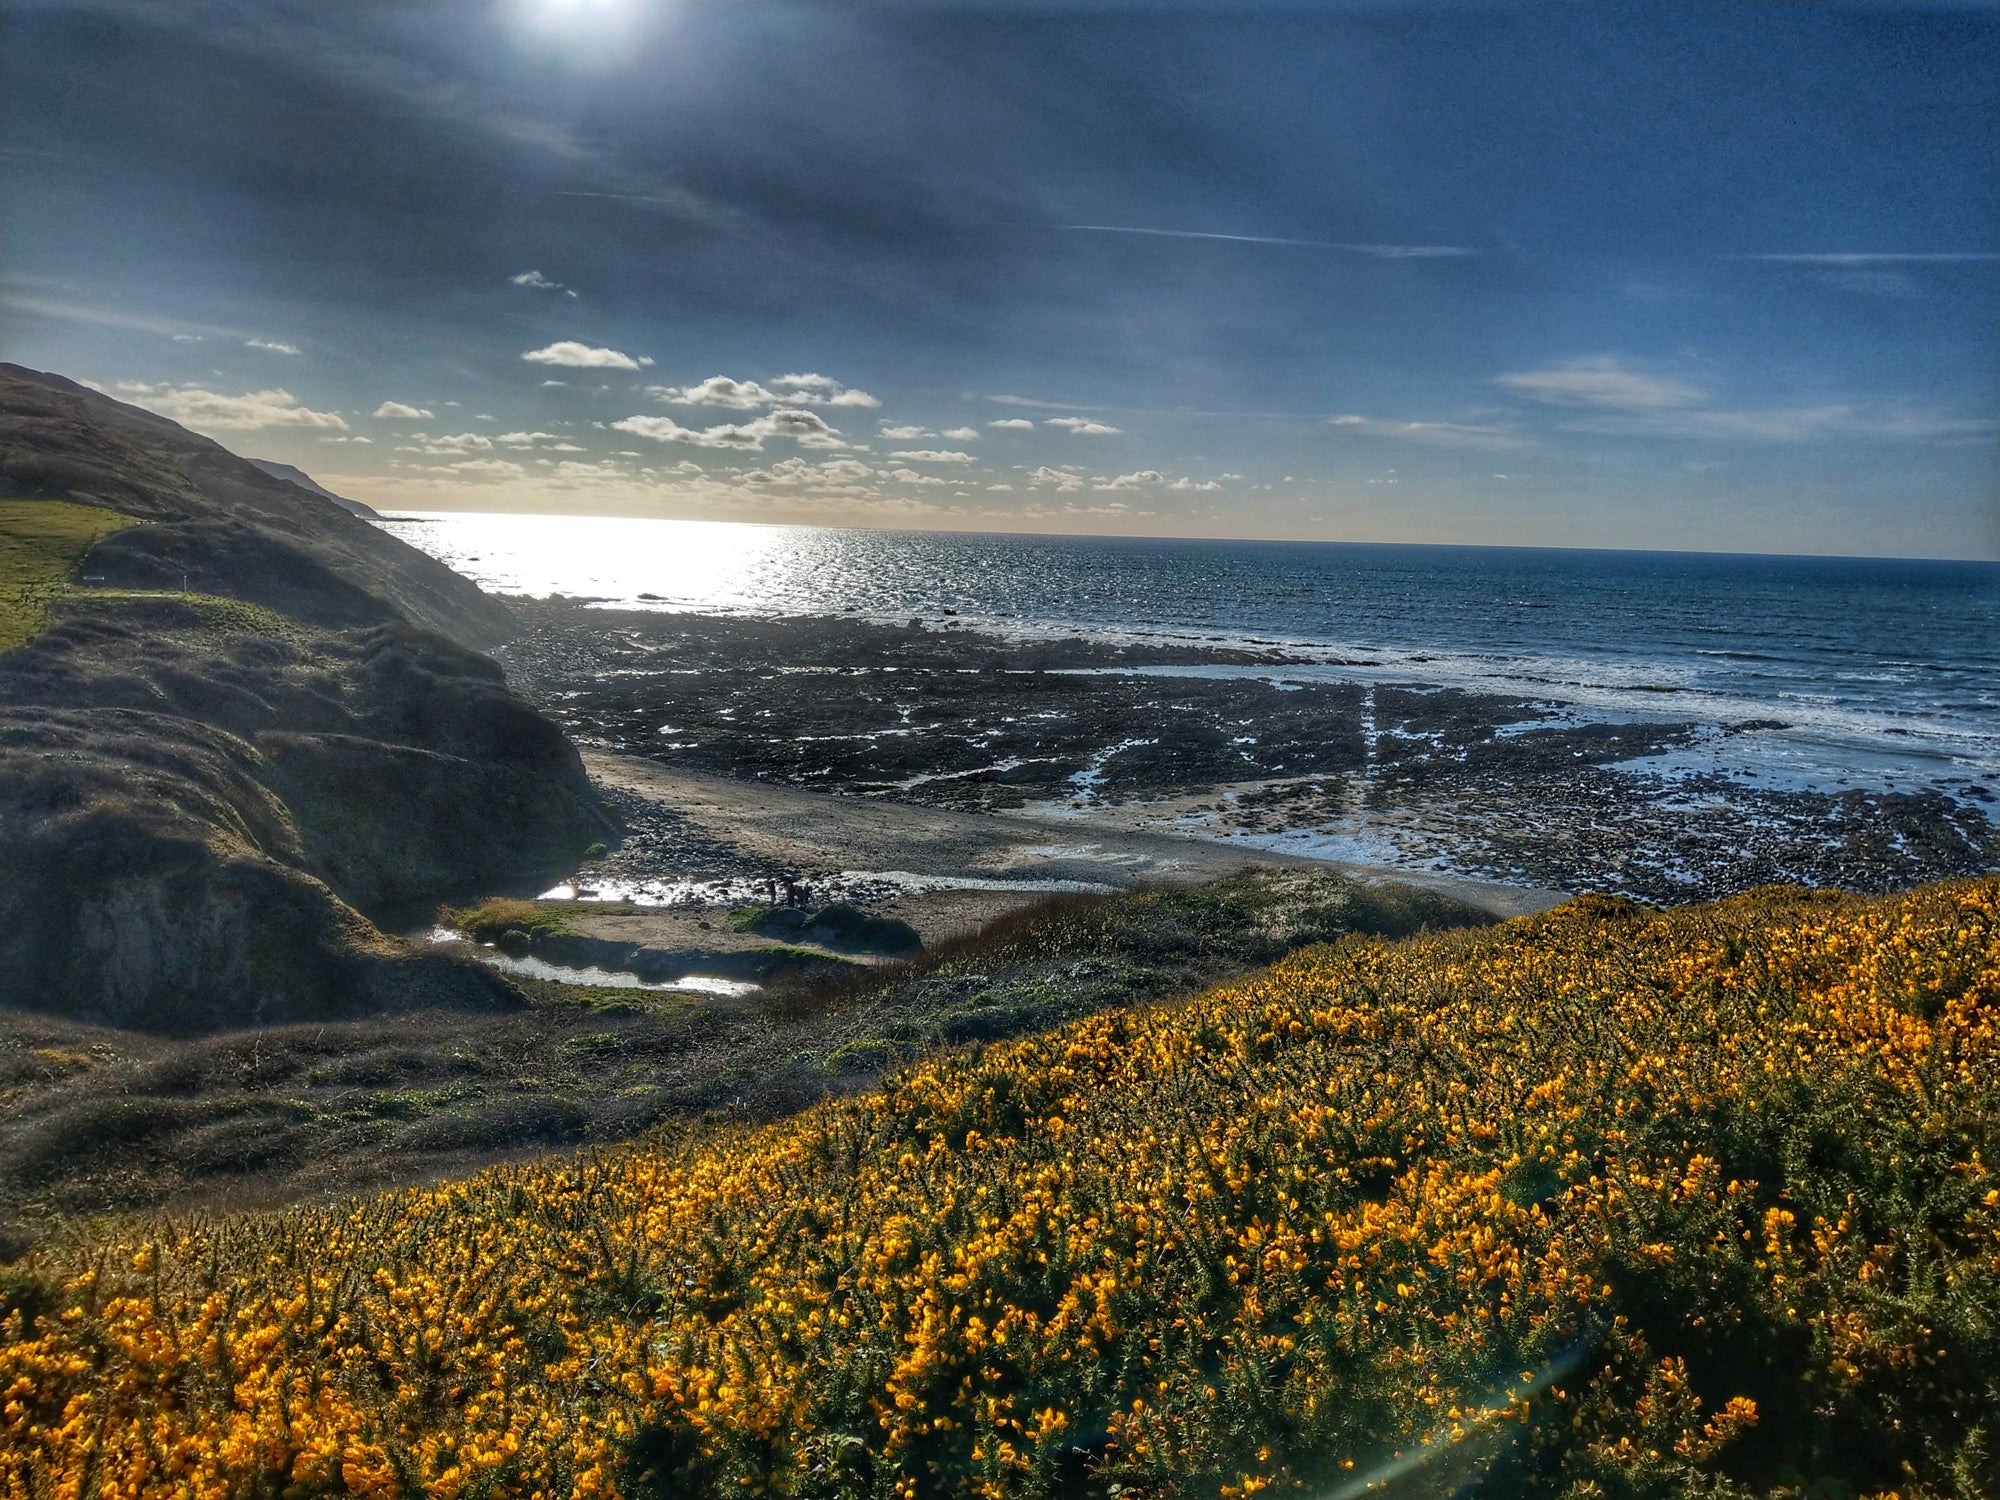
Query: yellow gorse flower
point(1561, 1187)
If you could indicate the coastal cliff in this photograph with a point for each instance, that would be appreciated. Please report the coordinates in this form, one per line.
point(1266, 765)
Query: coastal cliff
point(240, 717)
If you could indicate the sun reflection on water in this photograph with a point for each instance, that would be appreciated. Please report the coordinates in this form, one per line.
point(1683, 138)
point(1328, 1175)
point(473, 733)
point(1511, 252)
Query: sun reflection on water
point(668, 564)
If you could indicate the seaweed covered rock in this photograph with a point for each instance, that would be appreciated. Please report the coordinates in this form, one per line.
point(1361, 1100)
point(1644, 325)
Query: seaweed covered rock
point(840, 926)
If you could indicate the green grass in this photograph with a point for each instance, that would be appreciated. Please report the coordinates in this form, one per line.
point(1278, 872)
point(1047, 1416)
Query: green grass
point(486, 922)
point(201, 611)
point(42, 543)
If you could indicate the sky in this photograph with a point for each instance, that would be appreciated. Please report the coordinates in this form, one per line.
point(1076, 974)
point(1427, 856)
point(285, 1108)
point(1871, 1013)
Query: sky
point(1714, 277)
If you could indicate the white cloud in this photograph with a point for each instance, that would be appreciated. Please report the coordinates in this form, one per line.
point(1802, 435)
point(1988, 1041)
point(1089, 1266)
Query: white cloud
point(583, 357)
point(806, 428)
point(904, 434)
point(1007, 488)
point(747, 395)
point(1013, 424)
point(114, 318)
point(1613, 401)
point(1138, 479)
point(210, 411)
point(489, 468)
point(661, 430)
point(1437, 434)
point(835, 473)
point(1057, 477)
point(271, 346)
point(1081, 426)
point(822, 389)
point(536, 280)
point(717, 390)
point(1789, 424)
point(547, 383)
point(461, 442)
point(1030, 401)
point(402, 413)
point(961, 434)
point(1185, 483)
point(357, 438)
point(1604, 385)
point(933, 456)
point(912, 476)
point(845, 469)
point(524, 439)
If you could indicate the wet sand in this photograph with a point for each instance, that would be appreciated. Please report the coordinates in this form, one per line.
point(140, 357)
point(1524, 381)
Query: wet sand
point(958, 869)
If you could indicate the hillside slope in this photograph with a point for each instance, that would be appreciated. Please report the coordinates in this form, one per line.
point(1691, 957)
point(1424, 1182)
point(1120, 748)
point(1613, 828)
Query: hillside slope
point(1604, 1202)
point(253, 715)
point(220, 522)
point(293, 474)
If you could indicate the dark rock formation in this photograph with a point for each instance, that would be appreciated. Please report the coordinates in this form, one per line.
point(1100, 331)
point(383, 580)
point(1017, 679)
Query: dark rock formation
point(199, 793)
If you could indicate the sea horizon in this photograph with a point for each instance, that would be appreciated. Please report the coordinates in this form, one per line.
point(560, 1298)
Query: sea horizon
point(1809, 673)
point(417, 513)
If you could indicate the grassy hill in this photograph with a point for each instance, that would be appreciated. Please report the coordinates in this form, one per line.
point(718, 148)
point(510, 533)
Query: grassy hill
point(42, 544)
point(1606, 1202)
point(234, 718)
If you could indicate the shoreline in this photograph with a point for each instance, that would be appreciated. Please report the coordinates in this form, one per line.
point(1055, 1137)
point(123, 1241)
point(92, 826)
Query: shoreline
point(959, 860)
point(1821, 723)
point(1412, 780)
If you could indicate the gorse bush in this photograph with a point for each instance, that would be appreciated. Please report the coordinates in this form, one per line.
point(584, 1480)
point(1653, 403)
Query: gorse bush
point(1602, 1203)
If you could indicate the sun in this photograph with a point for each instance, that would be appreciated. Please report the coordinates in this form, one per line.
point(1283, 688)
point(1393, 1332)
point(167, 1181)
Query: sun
point(589, 28)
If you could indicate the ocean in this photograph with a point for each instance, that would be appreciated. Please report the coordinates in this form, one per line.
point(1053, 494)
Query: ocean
point(1862, 673)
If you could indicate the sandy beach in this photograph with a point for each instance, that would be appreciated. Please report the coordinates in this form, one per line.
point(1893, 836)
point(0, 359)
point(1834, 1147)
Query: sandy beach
point(942, 870)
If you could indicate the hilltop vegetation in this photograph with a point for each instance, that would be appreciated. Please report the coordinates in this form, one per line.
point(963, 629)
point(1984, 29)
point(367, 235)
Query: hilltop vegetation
point(1600, 1203)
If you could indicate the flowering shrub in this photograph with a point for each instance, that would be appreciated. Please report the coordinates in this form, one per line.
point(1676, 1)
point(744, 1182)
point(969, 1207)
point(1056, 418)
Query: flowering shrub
point(1600, 1203)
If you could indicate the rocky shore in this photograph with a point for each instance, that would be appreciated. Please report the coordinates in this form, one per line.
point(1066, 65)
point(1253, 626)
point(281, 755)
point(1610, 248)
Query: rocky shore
point(1241, 746)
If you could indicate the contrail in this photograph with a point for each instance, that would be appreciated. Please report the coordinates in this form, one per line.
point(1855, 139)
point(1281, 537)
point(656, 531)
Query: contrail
point(1874, 257)
point(1383, 252)
point(685, 205)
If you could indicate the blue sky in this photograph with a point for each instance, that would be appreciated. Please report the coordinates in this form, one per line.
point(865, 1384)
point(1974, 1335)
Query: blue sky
point(1718, 277)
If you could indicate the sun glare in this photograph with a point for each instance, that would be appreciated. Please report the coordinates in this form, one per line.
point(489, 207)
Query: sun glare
point(592, 30)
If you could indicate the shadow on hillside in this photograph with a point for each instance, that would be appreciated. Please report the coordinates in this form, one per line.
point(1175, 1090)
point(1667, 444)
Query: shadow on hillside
point(99, 1121)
